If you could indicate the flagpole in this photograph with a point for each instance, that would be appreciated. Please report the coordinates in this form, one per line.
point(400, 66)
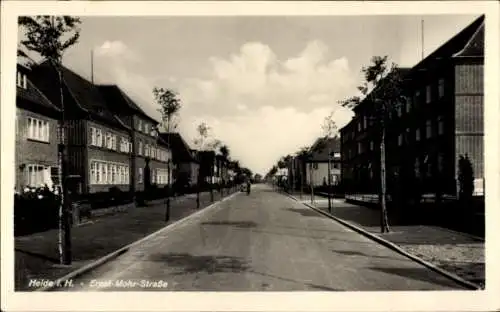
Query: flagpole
point(422, 34)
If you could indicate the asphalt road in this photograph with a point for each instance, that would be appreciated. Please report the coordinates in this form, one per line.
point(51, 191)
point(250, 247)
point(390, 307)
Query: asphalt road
point(261, 242)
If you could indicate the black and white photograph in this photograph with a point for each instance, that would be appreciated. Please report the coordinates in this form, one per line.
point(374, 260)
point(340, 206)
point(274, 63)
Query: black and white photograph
point(273, 151)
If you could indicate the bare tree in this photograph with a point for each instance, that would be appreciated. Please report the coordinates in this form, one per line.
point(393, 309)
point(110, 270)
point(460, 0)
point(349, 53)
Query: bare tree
point(204, 143)
point(382, 88)
point(50, 37)
point(329, 130)
point(170, 105)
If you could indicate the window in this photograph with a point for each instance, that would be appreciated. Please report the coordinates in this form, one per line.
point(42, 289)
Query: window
point(416, 97)
point(153, 176)
point(93, 172)
point(408, 104)
point(365, 121)
point(37, 175)
point(99, 137)
point(38, 129)
point(113, 140)
point(440, 126)
point(139, 125)
point(109, 140)
point(371, 145)
point(359, 126)
point(140, 148)
point(113, 173)
point(428, 129)
point(105, 172)
point(21, 81)
point(140, 175)
point(93, 137)
point(400, 139)
point(417, 134)
point(146, 128)
point(360, 148)
point(399, 109)
point(428, 94)
point(98, 175)
point(441, 88)
point(146, 150)
point(440, 162)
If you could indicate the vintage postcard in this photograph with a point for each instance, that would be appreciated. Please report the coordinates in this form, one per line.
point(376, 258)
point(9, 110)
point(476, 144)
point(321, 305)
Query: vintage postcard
point(250, 156)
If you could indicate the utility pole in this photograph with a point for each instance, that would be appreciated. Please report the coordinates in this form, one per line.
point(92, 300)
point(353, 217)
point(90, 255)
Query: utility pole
point(92, 66)
point(422, 34)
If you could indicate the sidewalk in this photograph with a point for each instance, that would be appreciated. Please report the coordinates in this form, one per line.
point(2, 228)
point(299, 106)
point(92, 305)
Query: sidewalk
point(36, 255)
point(455, 252)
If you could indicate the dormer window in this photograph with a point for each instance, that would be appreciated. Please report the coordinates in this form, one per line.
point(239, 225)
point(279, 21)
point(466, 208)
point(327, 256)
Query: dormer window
point(21, 80)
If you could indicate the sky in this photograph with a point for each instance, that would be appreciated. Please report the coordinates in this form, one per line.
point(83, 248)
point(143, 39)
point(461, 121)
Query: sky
point(262, 84)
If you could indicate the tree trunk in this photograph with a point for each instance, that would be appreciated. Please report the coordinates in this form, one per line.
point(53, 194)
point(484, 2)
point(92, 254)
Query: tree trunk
point(198, 188)
point(167, 209)
point(302, 167)
point(311, 185)
point(329, 181)
point(64, 206)
point(384, 222)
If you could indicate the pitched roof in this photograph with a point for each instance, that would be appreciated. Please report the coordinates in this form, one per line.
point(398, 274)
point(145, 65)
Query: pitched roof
point(321, 147)
point(32, 93)
point(119, 100)
point(86, 95)
point(456, 44)
point(181, 152)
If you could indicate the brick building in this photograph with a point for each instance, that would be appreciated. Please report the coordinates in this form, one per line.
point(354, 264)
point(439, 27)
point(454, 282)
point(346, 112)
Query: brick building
point(183, 157)
point(147, 147)
point(441, 120)
point(36, 133)
point(97, 141)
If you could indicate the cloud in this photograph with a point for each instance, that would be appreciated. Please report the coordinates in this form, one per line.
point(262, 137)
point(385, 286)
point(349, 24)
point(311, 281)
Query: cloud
point(265, 108)
point(115, 60)
point(259, 105)
point(116, 49)
point(260, 138)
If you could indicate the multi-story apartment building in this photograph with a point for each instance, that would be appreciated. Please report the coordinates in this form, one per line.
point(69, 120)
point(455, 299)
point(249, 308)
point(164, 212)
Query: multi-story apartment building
point(183, 158)
point(97, 141)
point(148, 150)
point(316, 170)
point(441, 120)
point(36, 134)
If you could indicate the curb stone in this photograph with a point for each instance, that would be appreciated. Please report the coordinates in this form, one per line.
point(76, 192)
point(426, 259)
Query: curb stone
point(394, 247)
point(121, 251)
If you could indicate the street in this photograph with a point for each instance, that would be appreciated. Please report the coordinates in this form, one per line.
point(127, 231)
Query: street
point(262, 242)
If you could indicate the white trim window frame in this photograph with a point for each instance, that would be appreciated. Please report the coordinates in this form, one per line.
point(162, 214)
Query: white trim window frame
point(99, 137)
point(93, 136)
point(37, 175)
point(38, 129)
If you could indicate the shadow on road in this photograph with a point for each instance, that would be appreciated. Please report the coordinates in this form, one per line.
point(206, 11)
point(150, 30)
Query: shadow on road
point(362, 254)
point(419, 274)
point(314, 286)
point(305, 212)
point(238, 224)
point(187, 263)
